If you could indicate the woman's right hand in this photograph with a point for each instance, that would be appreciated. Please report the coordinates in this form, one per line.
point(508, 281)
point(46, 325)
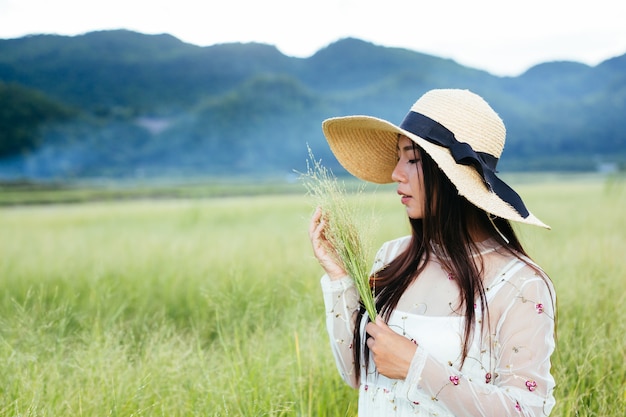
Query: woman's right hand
point(321, 246)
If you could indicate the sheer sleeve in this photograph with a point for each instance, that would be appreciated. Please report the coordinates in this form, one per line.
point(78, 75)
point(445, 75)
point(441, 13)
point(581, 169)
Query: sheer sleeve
point(341, 300)
point(518, 382)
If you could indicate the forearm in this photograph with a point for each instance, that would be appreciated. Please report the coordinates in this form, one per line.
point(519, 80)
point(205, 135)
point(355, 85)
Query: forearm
point(471, 397)
point(509, 372)
point(341, 301)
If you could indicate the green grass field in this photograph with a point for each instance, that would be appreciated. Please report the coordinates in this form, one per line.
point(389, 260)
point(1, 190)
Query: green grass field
point(212, 307)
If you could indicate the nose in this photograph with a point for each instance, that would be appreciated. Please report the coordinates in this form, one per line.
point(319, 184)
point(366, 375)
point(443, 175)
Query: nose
point(397, 175)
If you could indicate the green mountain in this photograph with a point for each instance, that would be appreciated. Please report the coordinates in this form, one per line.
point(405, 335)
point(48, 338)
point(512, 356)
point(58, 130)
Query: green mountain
point(125, 104)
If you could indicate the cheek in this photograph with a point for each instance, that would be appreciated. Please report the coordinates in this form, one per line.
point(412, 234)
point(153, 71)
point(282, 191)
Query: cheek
point(416, 180)
point(417, 185)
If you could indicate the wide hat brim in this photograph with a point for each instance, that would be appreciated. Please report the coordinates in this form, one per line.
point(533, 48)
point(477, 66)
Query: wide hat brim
point(366, 147)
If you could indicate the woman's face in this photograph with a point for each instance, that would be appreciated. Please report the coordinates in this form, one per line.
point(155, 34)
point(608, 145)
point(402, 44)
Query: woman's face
point(408, 175)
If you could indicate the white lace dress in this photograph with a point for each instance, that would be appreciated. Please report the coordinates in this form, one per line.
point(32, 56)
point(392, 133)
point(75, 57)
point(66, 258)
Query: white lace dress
point(507, 371)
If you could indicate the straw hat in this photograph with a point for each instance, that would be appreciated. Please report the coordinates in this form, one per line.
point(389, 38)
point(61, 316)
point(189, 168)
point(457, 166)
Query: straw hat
point(457, 128)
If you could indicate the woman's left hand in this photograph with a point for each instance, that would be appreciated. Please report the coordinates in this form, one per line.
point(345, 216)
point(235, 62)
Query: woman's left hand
point(392, 352)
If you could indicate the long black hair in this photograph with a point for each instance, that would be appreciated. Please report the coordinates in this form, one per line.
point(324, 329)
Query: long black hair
point(448, 220)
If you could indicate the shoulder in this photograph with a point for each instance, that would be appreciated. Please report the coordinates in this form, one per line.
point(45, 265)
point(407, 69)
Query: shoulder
point(522, 281)
point(517, 269)
point(531, 274)
point(389, 251)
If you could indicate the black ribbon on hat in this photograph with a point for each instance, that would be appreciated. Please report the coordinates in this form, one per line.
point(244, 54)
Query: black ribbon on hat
point(485, 164)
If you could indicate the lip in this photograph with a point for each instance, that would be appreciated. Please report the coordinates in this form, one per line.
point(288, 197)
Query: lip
point(404, 197)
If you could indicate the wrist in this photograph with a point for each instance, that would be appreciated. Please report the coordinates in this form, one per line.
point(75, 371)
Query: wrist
point(336, 275)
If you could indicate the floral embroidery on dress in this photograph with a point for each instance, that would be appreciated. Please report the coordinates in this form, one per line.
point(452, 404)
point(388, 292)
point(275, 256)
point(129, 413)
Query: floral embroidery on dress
point(487, 377)
point(492, 359)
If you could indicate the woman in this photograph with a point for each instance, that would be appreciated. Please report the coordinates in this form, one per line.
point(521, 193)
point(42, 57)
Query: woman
point(466, 319)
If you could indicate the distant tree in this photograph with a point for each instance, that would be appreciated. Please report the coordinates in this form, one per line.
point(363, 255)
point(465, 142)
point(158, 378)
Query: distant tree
point(237, 107)
point(22, 113)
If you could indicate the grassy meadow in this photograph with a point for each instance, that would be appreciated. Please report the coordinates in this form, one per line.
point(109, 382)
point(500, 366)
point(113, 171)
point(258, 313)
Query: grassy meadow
point(212, 306)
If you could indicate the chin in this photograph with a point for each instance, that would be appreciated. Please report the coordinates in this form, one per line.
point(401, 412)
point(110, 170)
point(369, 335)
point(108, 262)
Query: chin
point(415, 216)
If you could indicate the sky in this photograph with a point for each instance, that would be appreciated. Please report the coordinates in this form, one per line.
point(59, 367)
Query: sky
point(499, 36)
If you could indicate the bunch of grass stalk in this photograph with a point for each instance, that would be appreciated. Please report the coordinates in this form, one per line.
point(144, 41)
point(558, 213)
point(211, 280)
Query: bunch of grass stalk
point(342, 231)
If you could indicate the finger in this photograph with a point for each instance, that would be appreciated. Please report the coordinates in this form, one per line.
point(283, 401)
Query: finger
point(314, 219)
point(372, 329)
point(315, 222)
point(317, 215)
point(375, 327)
point(317, 236)
point(381, 323)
